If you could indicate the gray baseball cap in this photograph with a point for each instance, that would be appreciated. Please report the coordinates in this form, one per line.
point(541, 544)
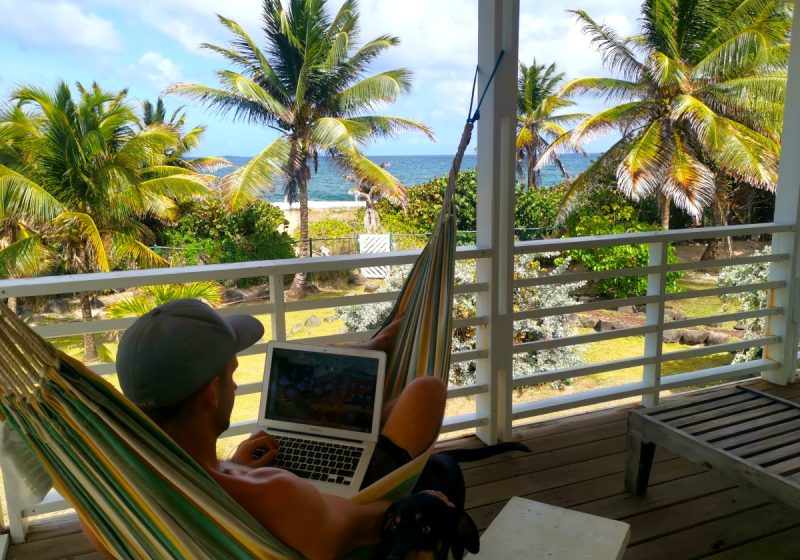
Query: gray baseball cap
point(172, 351)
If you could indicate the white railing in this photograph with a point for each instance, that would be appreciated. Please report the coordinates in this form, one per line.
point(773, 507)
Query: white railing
point(649, 387)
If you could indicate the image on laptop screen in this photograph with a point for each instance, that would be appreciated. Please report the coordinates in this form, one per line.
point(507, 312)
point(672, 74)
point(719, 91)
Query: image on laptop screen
point(322, 389)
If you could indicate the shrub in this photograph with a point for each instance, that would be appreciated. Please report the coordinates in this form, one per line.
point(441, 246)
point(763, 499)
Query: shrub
point(339, 237)
point(535, 210)
point(371, 316)
point(616, 218)
point(741, 275)
point(208, 232)
point(425, 204)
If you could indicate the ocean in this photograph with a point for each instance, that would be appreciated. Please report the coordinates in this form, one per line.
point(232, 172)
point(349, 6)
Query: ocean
point(328, 184)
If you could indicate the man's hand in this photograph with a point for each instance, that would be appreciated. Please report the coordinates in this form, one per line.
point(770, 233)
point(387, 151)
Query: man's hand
point(259, 450)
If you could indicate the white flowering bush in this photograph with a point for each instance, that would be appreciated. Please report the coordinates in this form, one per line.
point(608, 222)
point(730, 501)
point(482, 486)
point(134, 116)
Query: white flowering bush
point(371, 316)
point(738, 276)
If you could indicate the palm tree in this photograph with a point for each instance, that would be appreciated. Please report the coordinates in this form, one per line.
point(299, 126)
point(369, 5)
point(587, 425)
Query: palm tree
point(310, 86)
point(537, 126)
point(371, 193)
point(23, 205)
point(96, 176)
point(148, 298)
point(700, 106)
point(188, 141)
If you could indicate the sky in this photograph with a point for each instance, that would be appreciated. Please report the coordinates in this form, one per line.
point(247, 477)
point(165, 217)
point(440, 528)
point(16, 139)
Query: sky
point(147, 45)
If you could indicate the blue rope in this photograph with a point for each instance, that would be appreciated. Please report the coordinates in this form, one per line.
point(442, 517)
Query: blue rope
point(477, 114)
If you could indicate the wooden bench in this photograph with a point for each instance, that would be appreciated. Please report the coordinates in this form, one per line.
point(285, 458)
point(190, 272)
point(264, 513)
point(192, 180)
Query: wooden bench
point(749, 436)
point(528, 529)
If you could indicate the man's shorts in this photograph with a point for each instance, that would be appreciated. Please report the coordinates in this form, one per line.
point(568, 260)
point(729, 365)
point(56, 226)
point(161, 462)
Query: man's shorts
point(387, 457)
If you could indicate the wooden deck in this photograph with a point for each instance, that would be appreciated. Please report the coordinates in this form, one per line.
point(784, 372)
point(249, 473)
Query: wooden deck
point(578, 462)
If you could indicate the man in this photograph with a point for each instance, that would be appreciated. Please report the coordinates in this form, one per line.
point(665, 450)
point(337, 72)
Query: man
point(177, 363)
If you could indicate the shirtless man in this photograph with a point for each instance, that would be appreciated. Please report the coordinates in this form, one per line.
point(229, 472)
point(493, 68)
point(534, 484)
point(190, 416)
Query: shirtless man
point(177, 363)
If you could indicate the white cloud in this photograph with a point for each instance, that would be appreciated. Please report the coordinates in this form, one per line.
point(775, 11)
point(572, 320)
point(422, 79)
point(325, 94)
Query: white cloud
point(192, 22)
point(56, 25)
point(158, 70)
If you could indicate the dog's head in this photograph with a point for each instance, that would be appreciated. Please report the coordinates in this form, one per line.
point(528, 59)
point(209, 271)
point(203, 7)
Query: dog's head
point(424, 524)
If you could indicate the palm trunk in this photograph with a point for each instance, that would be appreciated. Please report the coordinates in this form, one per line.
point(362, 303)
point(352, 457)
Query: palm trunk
point(533, 182)
point(89, 343)
point(720, 212)
point(298, 288)
point(663, 203)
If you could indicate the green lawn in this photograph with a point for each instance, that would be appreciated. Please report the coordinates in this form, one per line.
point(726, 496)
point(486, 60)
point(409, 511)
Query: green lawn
point(251, 367)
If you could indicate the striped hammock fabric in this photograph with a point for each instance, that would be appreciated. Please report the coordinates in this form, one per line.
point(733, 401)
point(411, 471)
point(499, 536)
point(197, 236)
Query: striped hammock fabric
point(141, 494)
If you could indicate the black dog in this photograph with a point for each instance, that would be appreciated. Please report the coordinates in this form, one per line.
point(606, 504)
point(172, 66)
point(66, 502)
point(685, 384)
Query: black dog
point(423, 522)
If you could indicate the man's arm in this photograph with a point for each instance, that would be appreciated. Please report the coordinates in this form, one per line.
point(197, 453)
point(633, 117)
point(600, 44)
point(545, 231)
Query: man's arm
point(319, 526)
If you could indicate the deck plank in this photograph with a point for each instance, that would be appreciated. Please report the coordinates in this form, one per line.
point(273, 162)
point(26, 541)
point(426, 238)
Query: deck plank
point(578, 462)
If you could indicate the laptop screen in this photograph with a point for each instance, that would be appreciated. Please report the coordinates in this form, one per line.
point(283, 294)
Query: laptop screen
point(322, 389)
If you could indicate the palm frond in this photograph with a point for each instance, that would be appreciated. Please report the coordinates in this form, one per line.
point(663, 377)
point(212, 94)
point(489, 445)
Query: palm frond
point(607, 89)
point(209, 164)
point(85, 227)
point(384, 126)
point(345, 134)
point(687, 182)
point(21, 198)
point(252, 54)
point(665, 71)
point(25, 258)
point(127, 248)
point(258, 176)
point(223, 102)
point(377, 177)
point(624, 117)
point(383, 87)
point(596, 174)
point(616, 55)
point(640, 172)
point(246, 88)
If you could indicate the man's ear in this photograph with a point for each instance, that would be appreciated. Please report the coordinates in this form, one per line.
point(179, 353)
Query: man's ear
point(209, 395)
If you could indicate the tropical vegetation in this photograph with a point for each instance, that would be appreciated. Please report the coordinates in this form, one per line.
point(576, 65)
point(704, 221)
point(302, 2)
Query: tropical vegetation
point(187, 141)
point(78, 174)
point(538, 127)
point(699, 96)
point(310, 85)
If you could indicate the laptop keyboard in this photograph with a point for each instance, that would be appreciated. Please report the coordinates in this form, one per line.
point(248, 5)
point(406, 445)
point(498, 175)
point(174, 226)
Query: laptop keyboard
point(318, 460)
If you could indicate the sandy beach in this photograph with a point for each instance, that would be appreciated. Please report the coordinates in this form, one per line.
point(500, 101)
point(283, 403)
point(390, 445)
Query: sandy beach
point(336, 209)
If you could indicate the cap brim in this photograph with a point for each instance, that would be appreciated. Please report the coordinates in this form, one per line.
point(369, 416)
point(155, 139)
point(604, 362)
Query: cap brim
point(248, 330)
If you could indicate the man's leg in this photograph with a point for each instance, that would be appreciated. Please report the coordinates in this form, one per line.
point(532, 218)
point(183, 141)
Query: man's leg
point(416, 415)
point(411, 423)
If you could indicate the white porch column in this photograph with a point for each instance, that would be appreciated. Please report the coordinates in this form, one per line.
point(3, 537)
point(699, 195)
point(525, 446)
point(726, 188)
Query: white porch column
point(787, 211)
point(498, 29)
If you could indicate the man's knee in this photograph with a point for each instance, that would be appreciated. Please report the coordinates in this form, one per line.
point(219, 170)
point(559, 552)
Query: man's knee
point(428, 391)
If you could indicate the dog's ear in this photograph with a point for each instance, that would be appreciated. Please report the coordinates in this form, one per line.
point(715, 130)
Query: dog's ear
point(468, 533)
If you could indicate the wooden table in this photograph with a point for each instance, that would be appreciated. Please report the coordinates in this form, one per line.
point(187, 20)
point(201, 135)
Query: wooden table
point(528, 529)
point(749, 436)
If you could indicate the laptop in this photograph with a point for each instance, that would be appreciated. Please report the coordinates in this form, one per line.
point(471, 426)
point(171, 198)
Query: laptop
point(323, 405)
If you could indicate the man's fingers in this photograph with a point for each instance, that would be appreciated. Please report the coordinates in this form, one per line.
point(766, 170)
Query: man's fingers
point(264, 459)
point(261, 440)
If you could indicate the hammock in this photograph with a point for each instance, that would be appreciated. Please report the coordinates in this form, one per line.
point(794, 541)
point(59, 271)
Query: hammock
point(141, 494)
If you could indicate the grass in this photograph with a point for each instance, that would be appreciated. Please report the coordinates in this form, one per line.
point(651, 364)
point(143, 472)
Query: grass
point(251, 367)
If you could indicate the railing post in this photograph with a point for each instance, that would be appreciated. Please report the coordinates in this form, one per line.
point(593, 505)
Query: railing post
point(278, 317)
point(787, 211)
point(17, 525)
point(654, 342)
point(498, 29)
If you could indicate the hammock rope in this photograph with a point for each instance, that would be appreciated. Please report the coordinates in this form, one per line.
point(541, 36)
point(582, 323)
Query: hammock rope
point(138, 491)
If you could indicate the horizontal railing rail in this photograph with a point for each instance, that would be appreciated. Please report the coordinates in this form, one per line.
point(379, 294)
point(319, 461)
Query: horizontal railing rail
point(649, 384)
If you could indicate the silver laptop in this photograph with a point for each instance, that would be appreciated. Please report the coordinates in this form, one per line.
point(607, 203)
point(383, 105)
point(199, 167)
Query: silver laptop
point(323, 405)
